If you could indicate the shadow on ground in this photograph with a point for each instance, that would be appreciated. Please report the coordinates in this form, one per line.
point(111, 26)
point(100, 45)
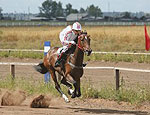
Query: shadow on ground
point(108, 111)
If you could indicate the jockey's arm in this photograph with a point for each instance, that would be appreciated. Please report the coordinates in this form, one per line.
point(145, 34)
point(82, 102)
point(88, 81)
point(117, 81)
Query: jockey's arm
point(68, 42)
point(67, 39)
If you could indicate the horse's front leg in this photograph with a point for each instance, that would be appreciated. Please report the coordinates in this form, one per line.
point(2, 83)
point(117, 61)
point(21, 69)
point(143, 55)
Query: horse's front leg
point(57, 86)
point(78, 88)
point(70, 90)
point(71, 80)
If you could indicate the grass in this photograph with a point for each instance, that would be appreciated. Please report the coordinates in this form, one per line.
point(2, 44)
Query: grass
point(28, 37)
point(104, 38)
point(93, 57)
point(119, 58)
point(30, 86)
point(127, 95)
point(130, 95)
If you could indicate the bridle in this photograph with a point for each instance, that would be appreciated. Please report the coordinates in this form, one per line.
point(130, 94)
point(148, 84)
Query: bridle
point(79, 43)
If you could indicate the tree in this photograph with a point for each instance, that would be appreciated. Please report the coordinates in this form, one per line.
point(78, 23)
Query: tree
point(70, 10)
point(82, 10)
point(94, 11)
point(46, 9)
point(51, 9)
point(59, 10)
point(1, 15)
point(54, 9)
point(127, 15)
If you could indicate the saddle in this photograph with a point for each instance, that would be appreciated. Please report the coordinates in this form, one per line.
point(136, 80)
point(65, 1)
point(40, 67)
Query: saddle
point(62, 56)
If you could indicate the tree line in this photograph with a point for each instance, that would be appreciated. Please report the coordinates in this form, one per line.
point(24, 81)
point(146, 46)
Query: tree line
point(52, 9)
point(1, 15)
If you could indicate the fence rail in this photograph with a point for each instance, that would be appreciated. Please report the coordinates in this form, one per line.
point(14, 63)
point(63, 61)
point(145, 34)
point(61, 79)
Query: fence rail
point(116, 70)
point(96, 23)
point(94, 52)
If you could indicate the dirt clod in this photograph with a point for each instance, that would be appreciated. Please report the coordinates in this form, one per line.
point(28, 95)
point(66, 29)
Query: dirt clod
point(41, 101)
point(11, 98)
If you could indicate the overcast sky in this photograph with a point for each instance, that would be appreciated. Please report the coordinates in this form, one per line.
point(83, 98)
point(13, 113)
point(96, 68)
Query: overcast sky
point(25, 6)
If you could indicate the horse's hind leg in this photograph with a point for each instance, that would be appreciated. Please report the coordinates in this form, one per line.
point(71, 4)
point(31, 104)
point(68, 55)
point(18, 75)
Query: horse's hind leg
point(57, 86)
point(70, 90)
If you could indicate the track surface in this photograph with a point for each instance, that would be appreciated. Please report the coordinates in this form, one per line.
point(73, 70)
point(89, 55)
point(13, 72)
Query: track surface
point(98, 78)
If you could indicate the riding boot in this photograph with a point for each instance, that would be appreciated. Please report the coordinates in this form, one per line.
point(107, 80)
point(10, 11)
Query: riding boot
point(61, 58)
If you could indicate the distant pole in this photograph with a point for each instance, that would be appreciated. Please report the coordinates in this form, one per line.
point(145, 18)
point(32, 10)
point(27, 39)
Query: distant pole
point(108, 7)
point(46, 48)
point(12, 71)
point(28, 13)
point(117, 79)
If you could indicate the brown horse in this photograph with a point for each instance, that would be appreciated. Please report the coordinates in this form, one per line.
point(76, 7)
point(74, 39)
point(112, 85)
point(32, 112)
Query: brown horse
point(71, 69)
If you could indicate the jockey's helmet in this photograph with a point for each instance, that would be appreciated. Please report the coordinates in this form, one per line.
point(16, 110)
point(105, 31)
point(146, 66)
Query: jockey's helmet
point(76, 26)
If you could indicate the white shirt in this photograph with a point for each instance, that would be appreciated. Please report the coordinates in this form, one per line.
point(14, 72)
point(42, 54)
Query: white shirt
point(67, 35)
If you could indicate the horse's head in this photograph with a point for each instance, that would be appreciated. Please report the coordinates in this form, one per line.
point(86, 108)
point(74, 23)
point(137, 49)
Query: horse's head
point(84, 43)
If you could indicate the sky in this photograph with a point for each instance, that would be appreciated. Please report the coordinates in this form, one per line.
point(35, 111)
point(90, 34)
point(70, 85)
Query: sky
point(32, 6)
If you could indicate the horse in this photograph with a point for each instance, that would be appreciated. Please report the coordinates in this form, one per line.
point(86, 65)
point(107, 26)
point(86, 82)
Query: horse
point(70, 69)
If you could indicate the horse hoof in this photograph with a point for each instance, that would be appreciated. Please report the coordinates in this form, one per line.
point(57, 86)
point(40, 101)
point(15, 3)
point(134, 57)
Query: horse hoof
point(67, 100)
point(70, 91)
point(73, 95)
point(78, 95)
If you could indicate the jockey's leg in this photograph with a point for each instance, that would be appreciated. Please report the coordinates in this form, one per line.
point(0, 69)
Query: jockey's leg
point(62, 56)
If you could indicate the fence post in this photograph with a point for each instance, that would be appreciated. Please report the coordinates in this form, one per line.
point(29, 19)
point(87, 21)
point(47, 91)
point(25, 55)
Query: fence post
point(12, 71)
point(46, 48)
point(117, 79)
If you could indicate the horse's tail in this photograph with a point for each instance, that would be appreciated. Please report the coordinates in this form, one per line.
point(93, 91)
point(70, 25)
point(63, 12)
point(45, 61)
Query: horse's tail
point(41, 68)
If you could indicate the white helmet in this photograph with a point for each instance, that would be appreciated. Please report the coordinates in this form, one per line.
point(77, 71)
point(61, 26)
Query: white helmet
point(76, 26)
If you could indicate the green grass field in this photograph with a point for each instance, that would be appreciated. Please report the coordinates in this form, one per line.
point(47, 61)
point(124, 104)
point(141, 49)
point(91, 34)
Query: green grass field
point(127, 95)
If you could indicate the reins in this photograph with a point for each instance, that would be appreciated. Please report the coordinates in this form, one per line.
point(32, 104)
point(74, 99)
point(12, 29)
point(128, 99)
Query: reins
point(81, 48)
point(79, 44)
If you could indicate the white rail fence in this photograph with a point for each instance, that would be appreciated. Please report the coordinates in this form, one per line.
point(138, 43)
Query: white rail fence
point(116, 70)
point(55, 23)
point(94, 52)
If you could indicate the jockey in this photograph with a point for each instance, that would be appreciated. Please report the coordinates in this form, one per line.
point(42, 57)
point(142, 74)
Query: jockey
point(67, 38)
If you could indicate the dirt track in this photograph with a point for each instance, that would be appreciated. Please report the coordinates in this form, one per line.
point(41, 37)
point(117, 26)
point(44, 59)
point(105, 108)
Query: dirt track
point(76, 107)
point(99, 78)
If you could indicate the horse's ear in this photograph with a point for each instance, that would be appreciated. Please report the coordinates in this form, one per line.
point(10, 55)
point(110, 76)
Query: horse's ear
point(88, 36)
point(84, 32)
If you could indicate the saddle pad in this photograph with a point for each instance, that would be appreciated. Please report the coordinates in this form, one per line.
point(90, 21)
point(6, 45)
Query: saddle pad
point(59, 50)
